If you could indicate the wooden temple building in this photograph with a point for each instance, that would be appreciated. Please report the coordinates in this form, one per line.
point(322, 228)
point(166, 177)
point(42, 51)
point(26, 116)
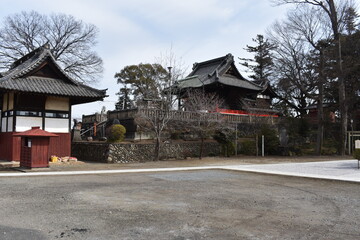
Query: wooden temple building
point(245, 101)
point(36, 92)
point(240, 96)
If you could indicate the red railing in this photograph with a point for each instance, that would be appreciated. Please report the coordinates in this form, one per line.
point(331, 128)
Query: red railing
point(244, 113)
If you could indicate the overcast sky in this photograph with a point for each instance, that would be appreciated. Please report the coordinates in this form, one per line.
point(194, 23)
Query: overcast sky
point(139, 31)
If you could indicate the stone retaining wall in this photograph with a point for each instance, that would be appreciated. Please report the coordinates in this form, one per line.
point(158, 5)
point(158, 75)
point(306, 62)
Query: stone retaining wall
point(124, 153)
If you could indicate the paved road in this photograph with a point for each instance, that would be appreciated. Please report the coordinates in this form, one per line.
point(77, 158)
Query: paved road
point(212, 204)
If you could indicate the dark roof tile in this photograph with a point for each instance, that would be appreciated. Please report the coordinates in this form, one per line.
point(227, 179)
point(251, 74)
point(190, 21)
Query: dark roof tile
point(215, 70)
point(18, 79)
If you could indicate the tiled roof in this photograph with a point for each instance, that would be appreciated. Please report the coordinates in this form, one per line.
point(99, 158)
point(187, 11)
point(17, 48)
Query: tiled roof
point(35, 132)
point(51, 86)
point(19, 78)
point(216, 71)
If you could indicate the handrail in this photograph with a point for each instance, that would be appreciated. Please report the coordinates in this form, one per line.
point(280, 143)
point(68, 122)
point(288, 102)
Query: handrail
point(92, 128)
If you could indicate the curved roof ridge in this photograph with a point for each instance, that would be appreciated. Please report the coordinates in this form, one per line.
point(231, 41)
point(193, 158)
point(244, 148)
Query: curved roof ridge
point(32, 60)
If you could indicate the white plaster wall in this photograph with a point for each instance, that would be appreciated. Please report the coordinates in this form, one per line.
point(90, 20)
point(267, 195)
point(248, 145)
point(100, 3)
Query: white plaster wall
point(57, 125)
point(3, 125)
point(25, 123)
point(10, 124)
point(57, 103)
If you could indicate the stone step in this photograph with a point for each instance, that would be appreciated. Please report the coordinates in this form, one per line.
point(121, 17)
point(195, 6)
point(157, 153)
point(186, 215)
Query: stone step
point(8, 164)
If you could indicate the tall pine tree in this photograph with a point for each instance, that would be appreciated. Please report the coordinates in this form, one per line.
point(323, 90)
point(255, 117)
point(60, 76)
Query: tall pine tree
point(261, 64)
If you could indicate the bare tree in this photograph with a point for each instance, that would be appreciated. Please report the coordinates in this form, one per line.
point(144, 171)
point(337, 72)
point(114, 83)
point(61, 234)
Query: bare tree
point(71, 40)
point(293, 77)
point(155, 119)
point(155, 114)
point(151, 85)
point(336, 12)
point(170, 60)
point(204, 119)
point(308, 25)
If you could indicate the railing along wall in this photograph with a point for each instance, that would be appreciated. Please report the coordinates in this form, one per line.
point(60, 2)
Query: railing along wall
point(97, 117)
point(188, 116)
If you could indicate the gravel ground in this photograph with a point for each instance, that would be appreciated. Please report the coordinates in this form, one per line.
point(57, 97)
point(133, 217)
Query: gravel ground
point(214, 204)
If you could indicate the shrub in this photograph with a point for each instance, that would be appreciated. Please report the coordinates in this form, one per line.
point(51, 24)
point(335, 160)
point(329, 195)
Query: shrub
point(117, 133)
point(356, 154)
point(248, 148)
point(226, 137)
point(271, 140)
point(228, 149)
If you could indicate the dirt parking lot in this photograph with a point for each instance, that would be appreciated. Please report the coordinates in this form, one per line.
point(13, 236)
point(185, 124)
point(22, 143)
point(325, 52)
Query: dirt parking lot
point(178, 205)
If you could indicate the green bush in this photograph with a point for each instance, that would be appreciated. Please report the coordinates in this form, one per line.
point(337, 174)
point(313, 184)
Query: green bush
point(228, 149)
point(356, 154)
point(117, 133)
point(248, 148)
point(271, 140)
point(226, 137)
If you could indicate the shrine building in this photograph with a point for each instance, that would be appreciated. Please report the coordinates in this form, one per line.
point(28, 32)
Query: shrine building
point(220, 76)
point(35, 91)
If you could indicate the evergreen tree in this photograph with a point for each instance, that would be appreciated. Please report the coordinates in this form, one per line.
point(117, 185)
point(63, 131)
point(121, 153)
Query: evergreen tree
point(262, 62)
point(350, 20)
point(124, 101)
point(144, 80)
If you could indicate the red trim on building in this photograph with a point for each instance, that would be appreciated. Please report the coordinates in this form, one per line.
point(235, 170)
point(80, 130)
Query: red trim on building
point(241, 112)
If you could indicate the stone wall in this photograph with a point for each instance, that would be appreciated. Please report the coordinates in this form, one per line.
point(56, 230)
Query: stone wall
point(90, 151)
point(124, 153)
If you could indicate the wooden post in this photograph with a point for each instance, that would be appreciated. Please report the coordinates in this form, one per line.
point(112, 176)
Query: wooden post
point(350, 143)
point(235, 139)
point(257, 145)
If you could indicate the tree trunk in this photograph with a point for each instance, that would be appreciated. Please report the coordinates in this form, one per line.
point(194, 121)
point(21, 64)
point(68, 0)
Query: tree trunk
point(342, 98)
point(320, 130)
point(343, 112)
point(157, 149)
point(201, 148)
point(342, 94)
point(320, 106)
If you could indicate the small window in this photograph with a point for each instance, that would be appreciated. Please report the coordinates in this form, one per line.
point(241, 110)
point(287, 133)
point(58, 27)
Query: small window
point(28, 113)
point(50, 115)
point(57, 115)
point(27, 142)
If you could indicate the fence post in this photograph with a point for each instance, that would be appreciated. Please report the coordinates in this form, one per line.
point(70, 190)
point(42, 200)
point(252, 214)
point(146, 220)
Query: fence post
point(262, 145)
point(257, 145)
point(236, 145)
point(349, 143)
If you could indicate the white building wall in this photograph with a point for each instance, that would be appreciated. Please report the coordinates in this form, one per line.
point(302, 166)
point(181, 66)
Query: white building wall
point(25, 123)
point(57, 125)
point(3, 125)
point(10, 124)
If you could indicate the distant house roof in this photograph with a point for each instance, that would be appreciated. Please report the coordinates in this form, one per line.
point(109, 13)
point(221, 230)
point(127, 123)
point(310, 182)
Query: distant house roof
point(39, 73)
point(219, 70)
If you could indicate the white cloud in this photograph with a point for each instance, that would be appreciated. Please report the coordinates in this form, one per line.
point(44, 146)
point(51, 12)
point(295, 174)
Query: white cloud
point(139, 30)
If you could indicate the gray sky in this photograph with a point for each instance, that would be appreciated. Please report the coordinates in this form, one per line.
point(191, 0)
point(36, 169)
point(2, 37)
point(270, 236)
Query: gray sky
point(139, 31)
